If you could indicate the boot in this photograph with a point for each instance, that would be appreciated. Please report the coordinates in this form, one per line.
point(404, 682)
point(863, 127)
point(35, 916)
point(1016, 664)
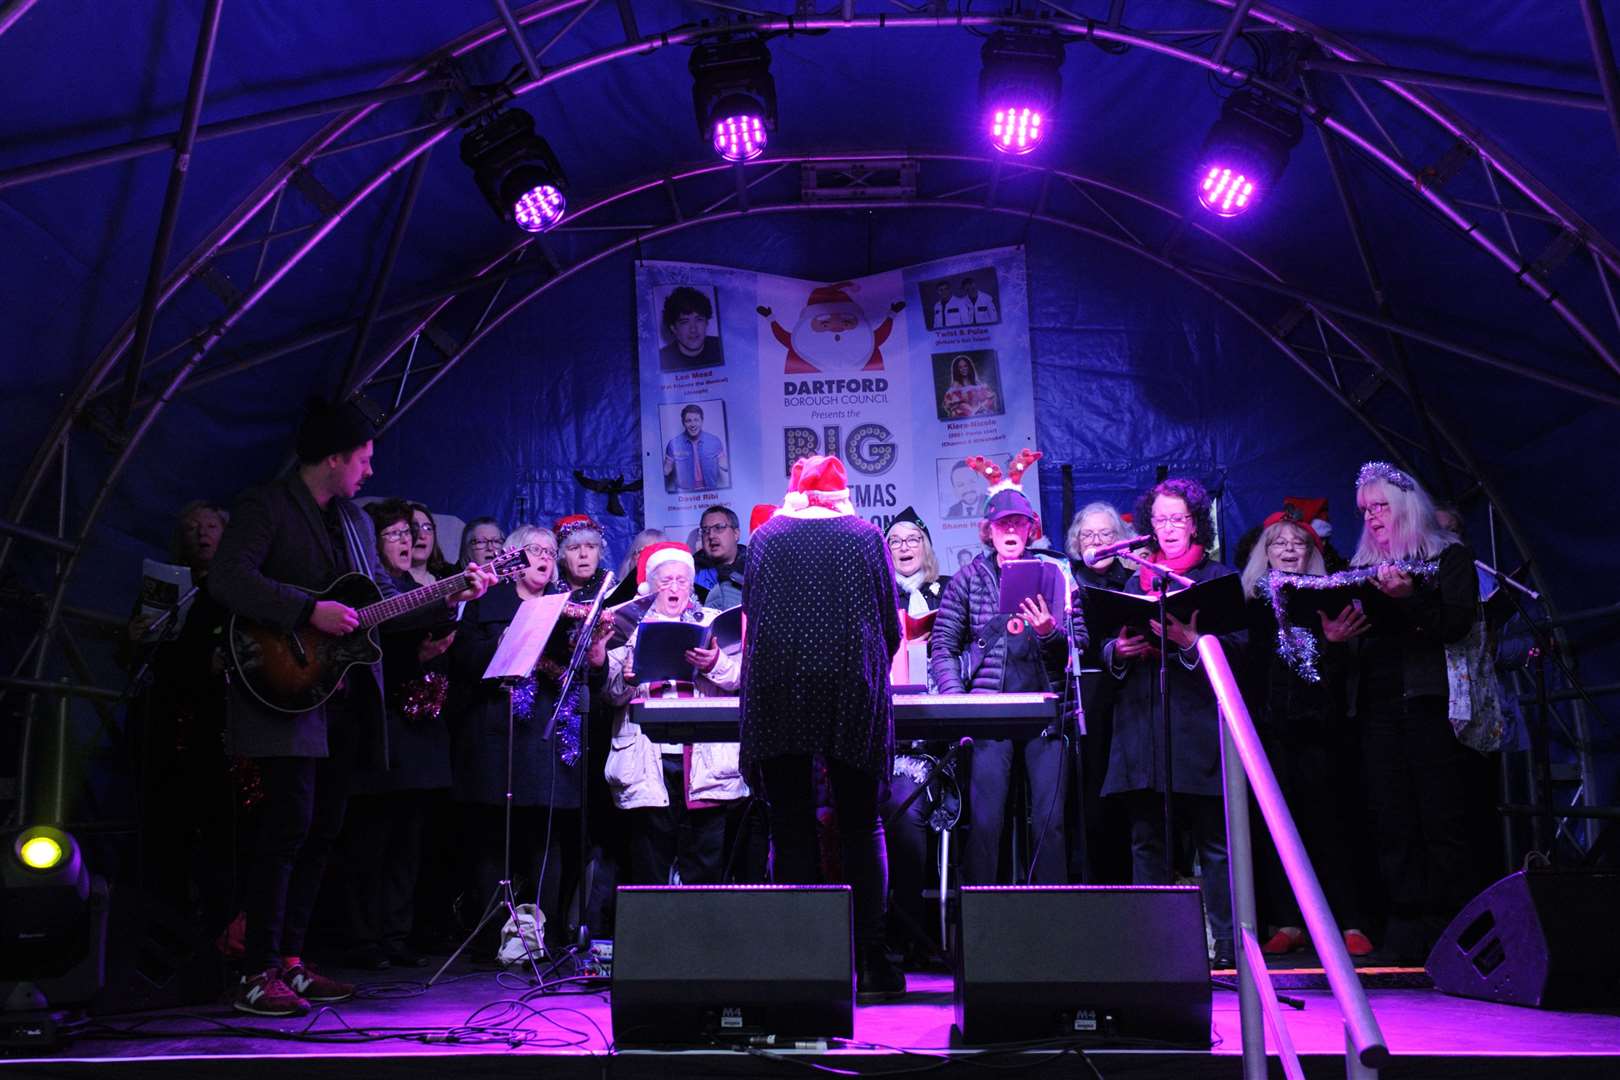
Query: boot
point(877, 978)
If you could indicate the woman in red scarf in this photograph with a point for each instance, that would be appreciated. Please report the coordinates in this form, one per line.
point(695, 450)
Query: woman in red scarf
point(1179, 512)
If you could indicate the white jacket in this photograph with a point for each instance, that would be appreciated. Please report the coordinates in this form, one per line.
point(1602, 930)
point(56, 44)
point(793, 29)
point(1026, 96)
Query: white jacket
point(635, 770)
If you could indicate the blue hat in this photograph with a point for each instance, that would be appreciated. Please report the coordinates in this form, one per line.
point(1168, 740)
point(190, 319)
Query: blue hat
point(1008, 503)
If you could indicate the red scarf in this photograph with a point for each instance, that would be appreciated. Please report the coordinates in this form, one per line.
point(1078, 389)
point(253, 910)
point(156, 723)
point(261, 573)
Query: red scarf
point(1180, 564)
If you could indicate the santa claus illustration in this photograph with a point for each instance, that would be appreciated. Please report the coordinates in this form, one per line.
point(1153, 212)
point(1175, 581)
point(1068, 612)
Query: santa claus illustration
point(833, 333)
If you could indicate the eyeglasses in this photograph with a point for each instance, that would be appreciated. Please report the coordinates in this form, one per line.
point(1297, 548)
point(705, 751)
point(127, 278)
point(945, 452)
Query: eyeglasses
point(1375, 509)
point(1288, 543)
point(711, 530)
point(540, 551)
point(487, 541)
point(1089, 535)
point(900, 543)
point(392, 535)
point(422, 527)
point(1172, 521)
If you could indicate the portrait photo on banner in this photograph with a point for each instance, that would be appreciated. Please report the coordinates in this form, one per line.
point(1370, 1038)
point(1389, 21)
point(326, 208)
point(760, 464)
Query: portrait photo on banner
point(688, 326)
point(968, 299)
point(696, 445)
point(963, 492)
point(967, 382)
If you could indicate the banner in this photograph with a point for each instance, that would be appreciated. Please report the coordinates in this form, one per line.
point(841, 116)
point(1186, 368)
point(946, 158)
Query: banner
point(902, 374)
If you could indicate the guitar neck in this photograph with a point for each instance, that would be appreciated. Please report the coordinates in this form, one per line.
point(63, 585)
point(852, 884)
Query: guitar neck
point(405, 603)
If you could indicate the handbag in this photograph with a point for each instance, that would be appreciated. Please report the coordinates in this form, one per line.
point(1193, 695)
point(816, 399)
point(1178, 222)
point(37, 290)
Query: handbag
point(1474, 701)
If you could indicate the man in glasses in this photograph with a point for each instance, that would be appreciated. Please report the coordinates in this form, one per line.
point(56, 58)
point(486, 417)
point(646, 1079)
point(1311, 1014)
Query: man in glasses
point(720, 557)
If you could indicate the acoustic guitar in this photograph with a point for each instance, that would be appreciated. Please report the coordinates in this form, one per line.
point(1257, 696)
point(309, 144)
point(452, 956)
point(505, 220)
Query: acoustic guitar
point(293, 673)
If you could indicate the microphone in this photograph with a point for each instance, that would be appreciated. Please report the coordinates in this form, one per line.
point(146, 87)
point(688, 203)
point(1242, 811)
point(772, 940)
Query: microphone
point(1093, 555)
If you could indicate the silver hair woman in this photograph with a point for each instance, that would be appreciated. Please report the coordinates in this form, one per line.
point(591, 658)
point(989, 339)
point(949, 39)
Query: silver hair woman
point(1105, 518)
point(1286, 545)
point(1398, 520)
point(627, 568)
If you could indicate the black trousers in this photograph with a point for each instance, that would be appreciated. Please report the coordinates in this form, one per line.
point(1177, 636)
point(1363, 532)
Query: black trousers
point(529, 850)
point(383, 857)
point(1205, 817)
point(1415, 789)
point(300, 818)
point(692, 842)
point(791, 792)
point(1046, 765)
point(908, 841)
point(1307, 773)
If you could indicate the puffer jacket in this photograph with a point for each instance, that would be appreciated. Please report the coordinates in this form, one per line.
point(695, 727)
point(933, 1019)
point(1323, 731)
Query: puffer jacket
point(968, 624)
point(634, 769)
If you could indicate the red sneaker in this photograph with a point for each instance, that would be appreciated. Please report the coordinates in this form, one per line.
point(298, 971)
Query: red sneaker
point(1356, 943)
point(1285, 940)
point(313, 986)
point(267, 994)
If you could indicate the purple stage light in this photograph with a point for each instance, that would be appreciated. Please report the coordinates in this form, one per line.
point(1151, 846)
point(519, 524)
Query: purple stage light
point(1225, 191)
point(740, 138)
point(1015, 129)
point(538, 209)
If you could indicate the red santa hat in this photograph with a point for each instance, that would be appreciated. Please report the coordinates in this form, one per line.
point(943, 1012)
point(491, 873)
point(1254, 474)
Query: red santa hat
point(832, 295)
point(760, 515)
point(819, 480)
point(1310, 513)
point(655, 555)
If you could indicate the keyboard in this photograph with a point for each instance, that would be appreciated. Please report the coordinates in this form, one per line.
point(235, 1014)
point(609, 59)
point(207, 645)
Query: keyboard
point(916, 716)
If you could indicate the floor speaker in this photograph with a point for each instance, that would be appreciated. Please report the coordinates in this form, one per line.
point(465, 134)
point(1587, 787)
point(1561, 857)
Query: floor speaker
point(697, 963)
point(1100, 962)
point(1545, 938)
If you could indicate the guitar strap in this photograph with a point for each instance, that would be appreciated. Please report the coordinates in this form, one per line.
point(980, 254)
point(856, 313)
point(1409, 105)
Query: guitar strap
point(351, 538)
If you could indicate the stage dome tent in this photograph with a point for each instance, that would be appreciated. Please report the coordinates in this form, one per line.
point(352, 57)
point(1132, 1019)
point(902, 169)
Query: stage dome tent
point(1428, 277)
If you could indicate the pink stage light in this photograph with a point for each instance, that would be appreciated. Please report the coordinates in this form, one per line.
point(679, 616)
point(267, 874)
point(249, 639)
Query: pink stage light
point(1225, 191)
point(739, 138)
point(540, 208)
point(1015, 130)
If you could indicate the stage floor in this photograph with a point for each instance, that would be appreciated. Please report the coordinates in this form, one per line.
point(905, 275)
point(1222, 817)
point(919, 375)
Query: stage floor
point(495, 1025)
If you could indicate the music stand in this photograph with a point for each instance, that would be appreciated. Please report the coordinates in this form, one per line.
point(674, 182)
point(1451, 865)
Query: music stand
point(515, 657)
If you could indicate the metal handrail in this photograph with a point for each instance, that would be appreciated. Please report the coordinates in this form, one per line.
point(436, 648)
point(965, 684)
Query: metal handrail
point(1244, 762)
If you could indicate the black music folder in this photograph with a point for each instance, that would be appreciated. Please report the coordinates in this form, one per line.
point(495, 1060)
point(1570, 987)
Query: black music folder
point(661, 651)
point(1304, 604)
point(1024, 579)
point(726, 629)
point(1219, 603)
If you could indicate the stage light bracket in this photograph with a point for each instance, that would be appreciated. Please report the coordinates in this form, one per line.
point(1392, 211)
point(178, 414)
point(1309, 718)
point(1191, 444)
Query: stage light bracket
point(508, 158)
point(731, 77)
point(1023, 64)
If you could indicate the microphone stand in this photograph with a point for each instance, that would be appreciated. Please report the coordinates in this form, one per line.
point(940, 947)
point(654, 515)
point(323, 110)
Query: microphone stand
point(149, 648)
point(566, 705)
point(1162, 576)
point(1543, 645)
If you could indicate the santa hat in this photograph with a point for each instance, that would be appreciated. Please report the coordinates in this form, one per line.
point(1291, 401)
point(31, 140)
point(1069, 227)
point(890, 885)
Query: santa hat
point(574, 523)
point(1311, 513)
point(832, 295)
point(655, 555)
point(819, 480)
point(760, 515)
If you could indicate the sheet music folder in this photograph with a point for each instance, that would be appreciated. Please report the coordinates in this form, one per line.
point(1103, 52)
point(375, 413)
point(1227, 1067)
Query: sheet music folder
point(1219, 603)
point(525, 637)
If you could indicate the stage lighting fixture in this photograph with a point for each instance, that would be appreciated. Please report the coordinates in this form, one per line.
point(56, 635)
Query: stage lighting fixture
point(53, 934)
point(516, 171)
point(734, 96)
point(1019, 86)
point(1246, 152)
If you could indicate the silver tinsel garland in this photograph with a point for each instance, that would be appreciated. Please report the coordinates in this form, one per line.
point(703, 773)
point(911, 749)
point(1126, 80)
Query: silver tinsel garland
point(566, 737)
point(1297, 644)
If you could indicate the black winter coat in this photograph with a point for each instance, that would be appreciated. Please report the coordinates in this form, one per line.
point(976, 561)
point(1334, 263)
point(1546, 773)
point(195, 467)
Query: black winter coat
point(1195, 734)
point(969, 626)
point(477, 719)
point(418, 744)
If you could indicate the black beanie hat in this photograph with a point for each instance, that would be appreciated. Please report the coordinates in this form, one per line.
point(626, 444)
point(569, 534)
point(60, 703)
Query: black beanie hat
point(333, 429)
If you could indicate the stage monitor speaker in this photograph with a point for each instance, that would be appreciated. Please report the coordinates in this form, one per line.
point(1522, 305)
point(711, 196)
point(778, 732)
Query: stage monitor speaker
point(1545, 938)
point(1086, 961)
point(697, 963)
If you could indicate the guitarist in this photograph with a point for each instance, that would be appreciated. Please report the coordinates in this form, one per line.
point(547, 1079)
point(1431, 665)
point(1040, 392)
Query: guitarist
point(290, 538)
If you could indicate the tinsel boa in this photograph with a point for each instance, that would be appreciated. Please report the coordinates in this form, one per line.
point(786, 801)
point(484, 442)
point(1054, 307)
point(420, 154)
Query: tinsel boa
point(566, 737)
point(1297, 644)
